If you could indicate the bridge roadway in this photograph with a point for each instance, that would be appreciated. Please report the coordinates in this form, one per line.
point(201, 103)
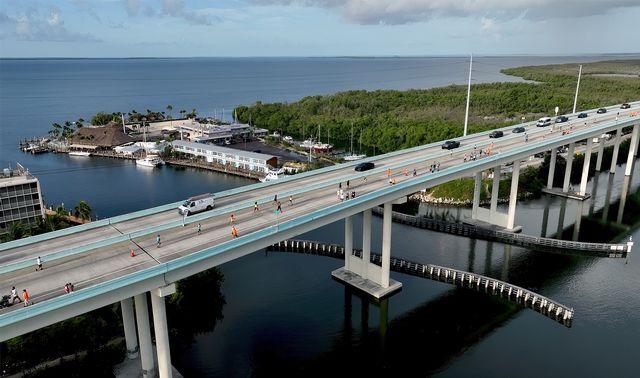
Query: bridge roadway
point(96, 257)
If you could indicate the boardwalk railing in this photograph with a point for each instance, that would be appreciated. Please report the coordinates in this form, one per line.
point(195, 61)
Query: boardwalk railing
point(523, 240)
point(526, 298)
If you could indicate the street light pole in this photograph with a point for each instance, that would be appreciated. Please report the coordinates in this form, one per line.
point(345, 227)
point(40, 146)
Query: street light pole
point(575, 100)
point(466, 116)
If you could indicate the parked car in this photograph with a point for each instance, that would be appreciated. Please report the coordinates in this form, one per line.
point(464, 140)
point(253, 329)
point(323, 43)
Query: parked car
point(519, 129)
point(601, 111)
point(364, 166)
point(496, 134)
point(582, 115)
point(450, 144)
point(544, 121)
point(625, 106)
point(561, 119)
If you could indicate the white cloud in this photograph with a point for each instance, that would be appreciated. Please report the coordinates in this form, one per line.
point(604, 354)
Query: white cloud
point(407, 11)
point(36, 25)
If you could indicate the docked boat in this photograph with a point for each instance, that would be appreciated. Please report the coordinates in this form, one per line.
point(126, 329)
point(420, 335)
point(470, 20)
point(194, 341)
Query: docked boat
point(322, 147)
point(79, 153)
point(274, 175)
point(288, 139)
point(353, 157)
point(308, 143)
point(150, 161)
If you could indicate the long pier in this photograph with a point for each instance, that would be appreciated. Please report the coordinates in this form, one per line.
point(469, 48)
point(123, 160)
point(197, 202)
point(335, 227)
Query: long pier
point(527, 241)
point(526, 298)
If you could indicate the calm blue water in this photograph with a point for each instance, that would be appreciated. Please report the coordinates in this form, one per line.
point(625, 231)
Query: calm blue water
point(284, 315)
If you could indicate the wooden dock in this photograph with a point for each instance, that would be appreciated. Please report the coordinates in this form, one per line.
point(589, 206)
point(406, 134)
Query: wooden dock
point(526, 298)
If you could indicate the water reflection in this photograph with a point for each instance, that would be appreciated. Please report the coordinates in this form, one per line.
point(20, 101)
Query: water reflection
point(623, 198)
point(607, 198)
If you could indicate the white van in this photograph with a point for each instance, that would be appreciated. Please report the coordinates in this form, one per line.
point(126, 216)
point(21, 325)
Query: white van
point(196, 204)
point(544, 121)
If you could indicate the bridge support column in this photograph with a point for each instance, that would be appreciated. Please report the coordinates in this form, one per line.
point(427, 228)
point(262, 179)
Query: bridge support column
point(144, 335)
point(495, 190)
point(366, 242)
point(567, 170)
point(161, 328)
point(585, 167)
point(476, 195)
point(616, 149)
point(552, 167)
point(129, 324)
point(386, 245)
point(600, 153)
point(632, 150)
point(623, 198)
point(513, 197)
point(348, 242)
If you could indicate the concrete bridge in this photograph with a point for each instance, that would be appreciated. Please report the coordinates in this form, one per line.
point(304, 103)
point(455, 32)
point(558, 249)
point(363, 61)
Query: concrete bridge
point(96, 257)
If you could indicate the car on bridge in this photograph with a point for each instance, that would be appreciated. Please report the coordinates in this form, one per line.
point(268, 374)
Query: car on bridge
point(601, 111)
point(582, 115)
point(364, 166)
point(561, 119)
point(625, 106)
point(450, 144)
point(519, 129)
point(496, 134)
point(544, 121)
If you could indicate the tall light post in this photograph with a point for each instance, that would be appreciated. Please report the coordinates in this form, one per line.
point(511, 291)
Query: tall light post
point(575, 100)
point(466, 115)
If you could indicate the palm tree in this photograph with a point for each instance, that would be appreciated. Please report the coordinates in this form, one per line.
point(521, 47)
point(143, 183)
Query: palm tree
point(67, 131)
point(16, 231)
point(83, 210)
point(169, 108)
point(55, 130)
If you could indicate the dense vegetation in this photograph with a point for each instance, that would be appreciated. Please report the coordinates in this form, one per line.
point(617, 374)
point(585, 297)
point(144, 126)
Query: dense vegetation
point(391, 120)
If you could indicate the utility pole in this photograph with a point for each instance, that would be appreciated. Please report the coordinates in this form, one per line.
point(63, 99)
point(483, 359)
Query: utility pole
point(123, 129)
point(575, 101)
point(466, 116)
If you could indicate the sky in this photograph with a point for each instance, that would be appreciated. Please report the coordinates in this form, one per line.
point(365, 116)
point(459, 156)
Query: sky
point(239, 28)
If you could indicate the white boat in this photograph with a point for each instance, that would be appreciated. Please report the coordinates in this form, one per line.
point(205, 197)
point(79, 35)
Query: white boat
point(150, 161)
point(274, 175)
point(354, 157)
point(288, 139)
point(307, 143)
point(322, 147)
point(79, 153)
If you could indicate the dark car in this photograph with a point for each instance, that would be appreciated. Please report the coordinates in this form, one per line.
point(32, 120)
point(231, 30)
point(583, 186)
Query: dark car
point(364, 166)
point(625, 106)
point(450, 144)
point(582, 115)
point(496, 134)
point(561, 119)
point(601, 110)
point(519, 129)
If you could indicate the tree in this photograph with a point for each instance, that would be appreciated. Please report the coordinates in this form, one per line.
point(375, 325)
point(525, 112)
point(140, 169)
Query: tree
point(55, 130)
point(83, 210)
point(17, 230)
point(101, 118)
point(169, 109)
point(67, 130)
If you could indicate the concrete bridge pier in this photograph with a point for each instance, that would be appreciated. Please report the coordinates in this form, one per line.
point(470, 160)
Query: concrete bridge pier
point(129, 324)
point(495, 189)
point(585, 167)
point(567, 170)
point(594, 195)
point(600, 154)
point(513, 196)
point(607, 199)
point(552, 168)
point(616, 149)
point(144, 336)
point(360, 272)
point(623, 198)
point(161, 329)
point(632, 150)
point(476, 195)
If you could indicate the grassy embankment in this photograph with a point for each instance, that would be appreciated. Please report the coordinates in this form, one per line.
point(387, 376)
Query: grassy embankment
point(387, 120)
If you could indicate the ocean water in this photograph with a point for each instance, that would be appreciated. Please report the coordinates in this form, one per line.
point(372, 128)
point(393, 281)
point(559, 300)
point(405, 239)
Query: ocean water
point(284, 315)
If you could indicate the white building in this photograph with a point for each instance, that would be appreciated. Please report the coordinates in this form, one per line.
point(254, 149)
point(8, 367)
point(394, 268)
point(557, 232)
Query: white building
point(20, 198)
point(252, 161)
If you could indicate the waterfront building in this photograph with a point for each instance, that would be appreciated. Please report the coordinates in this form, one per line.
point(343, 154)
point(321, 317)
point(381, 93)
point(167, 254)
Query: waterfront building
point(20, 198)
point(99, 138)
point(251, 161)
point(214, 133)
